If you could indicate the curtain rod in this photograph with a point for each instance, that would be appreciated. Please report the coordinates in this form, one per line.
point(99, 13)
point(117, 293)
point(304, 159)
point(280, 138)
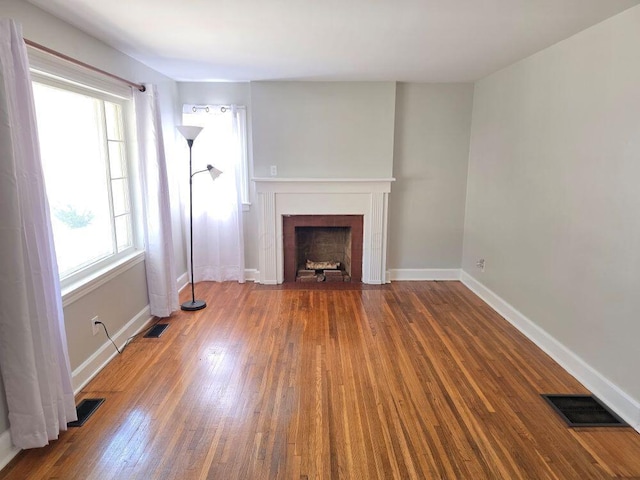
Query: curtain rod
point(48, 50)
point(206, 108)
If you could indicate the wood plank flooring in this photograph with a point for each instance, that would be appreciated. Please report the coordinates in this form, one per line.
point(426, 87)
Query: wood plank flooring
point(413, 380)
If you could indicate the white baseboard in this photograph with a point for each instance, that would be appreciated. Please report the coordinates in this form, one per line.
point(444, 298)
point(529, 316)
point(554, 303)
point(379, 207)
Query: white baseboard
point(7, 449)
point(251, 274)
point(614, 397)
point(96, 362)
point(183, 281)
point(393, 275)
point(418, 274)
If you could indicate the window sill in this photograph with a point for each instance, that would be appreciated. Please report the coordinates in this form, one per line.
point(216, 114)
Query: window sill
point(79, 289)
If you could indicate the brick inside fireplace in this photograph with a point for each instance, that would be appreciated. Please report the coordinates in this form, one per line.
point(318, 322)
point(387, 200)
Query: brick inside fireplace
point(327, 237)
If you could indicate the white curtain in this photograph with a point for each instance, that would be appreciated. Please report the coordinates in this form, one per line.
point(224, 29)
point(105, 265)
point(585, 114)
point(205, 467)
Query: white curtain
point(33, 349)
point(218, 243)
point(159, 256)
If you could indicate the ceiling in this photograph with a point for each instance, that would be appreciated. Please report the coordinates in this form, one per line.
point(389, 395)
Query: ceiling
point(367, 40)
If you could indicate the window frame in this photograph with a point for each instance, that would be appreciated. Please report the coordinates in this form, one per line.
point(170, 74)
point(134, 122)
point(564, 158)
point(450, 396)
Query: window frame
point(56, 73)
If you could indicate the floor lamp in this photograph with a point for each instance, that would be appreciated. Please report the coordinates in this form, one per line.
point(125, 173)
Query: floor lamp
point(190, 133)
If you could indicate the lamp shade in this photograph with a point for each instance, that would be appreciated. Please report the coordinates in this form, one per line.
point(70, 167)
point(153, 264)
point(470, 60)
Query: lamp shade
point(189, 132)
point(214, 172)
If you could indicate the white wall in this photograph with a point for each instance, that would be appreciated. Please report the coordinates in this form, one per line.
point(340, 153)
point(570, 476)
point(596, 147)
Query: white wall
point(119, 300)
point(431, 152)
point(553, 197)
point(323, 129)
point(215, 93)
point(115, 302)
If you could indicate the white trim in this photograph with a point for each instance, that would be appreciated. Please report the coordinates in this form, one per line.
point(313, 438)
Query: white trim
point(70, 73)
point(278, 196)
point(321, 180)
point(183, 281)
point(375, 241)
point(88, 284)
point(96, 362)
point(423, 274)
point(267, 233)
point(7, 449)
point(251, 274)
point(618, 400)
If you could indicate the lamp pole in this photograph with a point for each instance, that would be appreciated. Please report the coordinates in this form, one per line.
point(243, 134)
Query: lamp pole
point(194, 304)
point(190, 133)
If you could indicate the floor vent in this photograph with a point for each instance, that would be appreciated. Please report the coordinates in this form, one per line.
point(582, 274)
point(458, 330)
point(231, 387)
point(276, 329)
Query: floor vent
point(157, 330)
point(583, 411)
point(85, 409)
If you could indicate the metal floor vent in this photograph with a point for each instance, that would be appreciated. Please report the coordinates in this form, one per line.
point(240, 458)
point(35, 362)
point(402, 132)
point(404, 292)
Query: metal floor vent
point(583, 411)
point(85, 409)
point(157, 330)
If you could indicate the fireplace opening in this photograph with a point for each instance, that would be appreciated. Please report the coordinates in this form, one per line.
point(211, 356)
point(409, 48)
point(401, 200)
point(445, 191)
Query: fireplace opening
point(323, 254)
point(322, 248)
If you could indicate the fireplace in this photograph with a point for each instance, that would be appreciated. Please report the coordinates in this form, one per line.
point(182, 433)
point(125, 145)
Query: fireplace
point(279, 198)
point(322, 248)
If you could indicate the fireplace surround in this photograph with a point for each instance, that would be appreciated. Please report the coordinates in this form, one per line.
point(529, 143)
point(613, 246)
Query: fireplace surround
point(322, 238)
point(279, 197)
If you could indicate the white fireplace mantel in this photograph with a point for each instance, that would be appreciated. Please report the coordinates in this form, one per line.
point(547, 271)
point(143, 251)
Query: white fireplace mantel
point(322, 196)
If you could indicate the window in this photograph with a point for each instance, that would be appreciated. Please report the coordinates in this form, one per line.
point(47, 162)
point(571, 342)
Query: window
point(84, 156)
point(223, 141)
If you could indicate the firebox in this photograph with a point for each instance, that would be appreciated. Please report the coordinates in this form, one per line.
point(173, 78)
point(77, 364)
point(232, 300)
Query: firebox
point(322, 248)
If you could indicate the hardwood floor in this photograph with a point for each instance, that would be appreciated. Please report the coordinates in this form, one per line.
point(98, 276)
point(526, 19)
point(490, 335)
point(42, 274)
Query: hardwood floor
point(408, 380)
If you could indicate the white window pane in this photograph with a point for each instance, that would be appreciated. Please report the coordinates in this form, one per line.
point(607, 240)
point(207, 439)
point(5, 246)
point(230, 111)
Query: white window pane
point(120, 194)
point(116, 159)
point(79, 242)
point(70, 128)
point(113, 120)
point(123, 232)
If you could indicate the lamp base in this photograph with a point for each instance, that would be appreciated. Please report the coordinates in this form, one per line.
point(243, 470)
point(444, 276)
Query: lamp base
point(193, 306)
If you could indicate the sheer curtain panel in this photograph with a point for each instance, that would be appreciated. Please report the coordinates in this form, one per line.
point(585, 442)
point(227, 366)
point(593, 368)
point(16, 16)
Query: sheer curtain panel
point(34, 361)
point(218, 242)
point(159, 256)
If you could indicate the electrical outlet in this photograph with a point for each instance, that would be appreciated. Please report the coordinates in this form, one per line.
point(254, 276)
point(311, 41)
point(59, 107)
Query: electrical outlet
point(274, 170)
point(480, 264)
point(95, 328)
